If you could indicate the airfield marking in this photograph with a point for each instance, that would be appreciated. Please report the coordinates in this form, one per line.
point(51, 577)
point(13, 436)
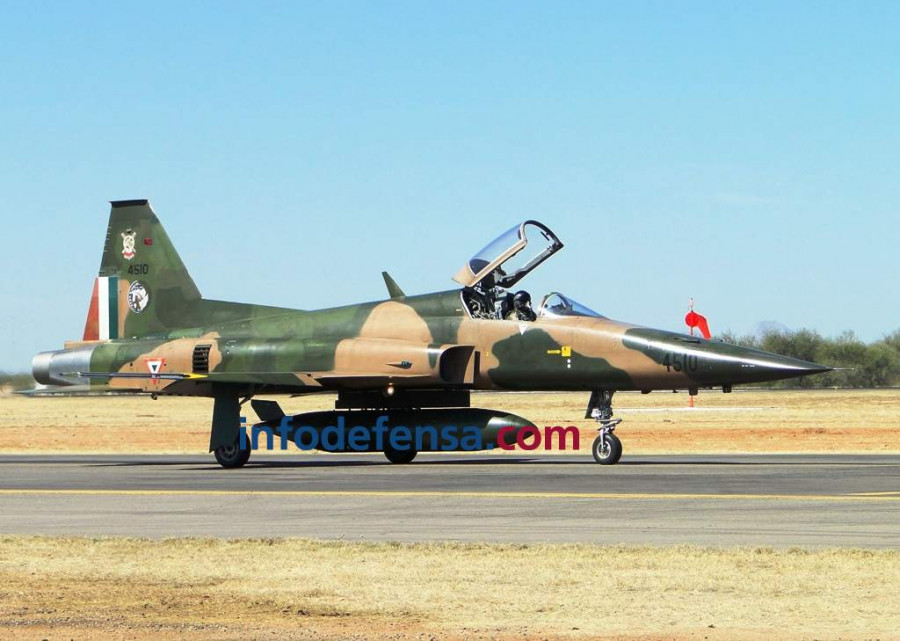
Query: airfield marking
point(876, 494)
point(651, 410)
point(841, 498)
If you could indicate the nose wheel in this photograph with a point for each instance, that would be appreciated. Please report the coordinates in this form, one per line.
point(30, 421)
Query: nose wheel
point(607, 448)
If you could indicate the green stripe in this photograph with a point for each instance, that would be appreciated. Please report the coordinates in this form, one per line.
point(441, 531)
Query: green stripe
point(113, 307)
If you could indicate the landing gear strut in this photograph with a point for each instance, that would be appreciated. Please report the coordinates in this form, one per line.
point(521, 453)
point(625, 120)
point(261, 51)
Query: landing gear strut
point(607, 448)
point(224, 438)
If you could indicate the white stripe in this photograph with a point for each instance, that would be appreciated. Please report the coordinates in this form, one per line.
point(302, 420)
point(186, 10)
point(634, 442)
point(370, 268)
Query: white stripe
point(728, 358)
point(103, 306)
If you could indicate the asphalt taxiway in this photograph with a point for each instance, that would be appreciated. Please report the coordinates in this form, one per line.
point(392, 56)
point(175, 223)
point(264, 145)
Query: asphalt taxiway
point(808, 500)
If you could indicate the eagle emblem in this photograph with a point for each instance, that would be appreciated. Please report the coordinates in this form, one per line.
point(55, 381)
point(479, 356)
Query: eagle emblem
point(128, 244)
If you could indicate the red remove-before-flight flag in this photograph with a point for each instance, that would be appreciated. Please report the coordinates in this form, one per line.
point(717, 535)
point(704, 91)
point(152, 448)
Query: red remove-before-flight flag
point(693, 319)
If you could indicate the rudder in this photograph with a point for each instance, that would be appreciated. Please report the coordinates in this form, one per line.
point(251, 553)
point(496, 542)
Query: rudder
point(143, 286)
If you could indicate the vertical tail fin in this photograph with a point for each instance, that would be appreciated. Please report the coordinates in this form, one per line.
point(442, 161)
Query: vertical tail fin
point(143, 287)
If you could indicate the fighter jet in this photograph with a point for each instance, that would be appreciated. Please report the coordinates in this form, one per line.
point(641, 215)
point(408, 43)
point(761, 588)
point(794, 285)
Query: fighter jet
point(410, 358)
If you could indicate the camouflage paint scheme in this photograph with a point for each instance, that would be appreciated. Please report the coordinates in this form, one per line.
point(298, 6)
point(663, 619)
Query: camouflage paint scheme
point(425, 342)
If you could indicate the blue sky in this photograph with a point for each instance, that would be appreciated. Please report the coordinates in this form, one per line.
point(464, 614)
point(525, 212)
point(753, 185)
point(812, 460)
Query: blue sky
point(743, 154)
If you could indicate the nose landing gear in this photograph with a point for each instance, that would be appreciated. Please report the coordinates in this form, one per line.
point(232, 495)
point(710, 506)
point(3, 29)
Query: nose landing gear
point(607, 448)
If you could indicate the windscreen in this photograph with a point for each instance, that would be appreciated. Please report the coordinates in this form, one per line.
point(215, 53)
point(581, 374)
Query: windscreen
point(555, 305)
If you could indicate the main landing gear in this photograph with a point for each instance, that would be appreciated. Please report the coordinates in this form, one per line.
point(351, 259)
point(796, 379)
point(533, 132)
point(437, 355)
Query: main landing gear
point(232, 456)
point(607, 448)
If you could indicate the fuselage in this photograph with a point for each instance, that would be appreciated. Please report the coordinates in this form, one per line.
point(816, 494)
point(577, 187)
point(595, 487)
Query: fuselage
point(428, 341)
point(149, 330)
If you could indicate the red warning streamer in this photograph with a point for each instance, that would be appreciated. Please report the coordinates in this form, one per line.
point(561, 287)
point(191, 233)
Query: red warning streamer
point(698, 321)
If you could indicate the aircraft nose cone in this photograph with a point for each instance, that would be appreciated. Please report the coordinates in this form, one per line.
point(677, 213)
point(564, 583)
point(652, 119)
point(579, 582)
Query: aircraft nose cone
point(753, 366)
point(792, 366)
point(714, 363)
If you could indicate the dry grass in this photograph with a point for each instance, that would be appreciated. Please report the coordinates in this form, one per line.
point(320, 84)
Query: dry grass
point(756, 421)
point(276, 589)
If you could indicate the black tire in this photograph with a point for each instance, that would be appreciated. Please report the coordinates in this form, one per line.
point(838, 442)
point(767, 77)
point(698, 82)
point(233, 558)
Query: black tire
point(610, 454)
point(400, 456)
point(232, 456)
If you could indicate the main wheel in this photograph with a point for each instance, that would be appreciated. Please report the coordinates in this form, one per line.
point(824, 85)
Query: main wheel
point(607, 449)
point(400, 456)
point(232, 456)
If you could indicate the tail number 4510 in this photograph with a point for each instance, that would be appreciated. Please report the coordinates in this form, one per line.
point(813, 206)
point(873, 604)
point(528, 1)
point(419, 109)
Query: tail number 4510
point(680, 362)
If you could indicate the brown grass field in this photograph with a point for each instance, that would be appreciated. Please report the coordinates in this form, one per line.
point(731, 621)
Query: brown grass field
point(752, 421)
point(58, 588)
point(79, 588)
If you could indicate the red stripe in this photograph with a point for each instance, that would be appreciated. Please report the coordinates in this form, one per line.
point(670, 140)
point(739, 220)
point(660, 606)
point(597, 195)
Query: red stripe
point(92, 325)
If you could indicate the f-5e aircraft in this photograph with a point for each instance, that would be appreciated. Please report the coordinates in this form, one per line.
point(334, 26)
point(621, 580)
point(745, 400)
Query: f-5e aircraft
point(415, 358)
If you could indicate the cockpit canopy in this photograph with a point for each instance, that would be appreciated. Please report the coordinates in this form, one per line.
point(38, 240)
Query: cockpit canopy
point(555, 305)
point(510, 257)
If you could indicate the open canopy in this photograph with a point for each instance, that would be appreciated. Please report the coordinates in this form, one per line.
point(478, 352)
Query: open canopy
point(509, 257)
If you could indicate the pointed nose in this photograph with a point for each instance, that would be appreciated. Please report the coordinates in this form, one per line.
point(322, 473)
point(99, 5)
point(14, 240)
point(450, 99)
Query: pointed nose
point(755, 366)
point(786, 366)
point(712, 363)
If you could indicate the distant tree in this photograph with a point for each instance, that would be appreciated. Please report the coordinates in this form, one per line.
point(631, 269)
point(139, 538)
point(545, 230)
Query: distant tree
point(881, 367)
point(847, 354)
point(804, 344)
point(892, 340)
point(856, 363)
point(747, 340)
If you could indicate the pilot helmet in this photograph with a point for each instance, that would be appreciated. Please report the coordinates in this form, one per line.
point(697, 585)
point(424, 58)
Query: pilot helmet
point(522, 299)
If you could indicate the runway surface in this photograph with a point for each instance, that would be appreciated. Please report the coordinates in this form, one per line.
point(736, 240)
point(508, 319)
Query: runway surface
point(809, 500)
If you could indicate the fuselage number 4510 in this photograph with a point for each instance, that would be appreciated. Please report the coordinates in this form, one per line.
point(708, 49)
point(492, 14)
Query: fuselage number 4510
point(680, 362)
